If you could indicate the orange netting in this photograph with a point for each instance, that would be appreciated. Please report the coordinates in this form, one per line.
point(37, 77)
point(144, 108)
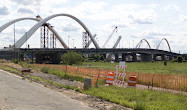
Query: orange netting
point(175, 82)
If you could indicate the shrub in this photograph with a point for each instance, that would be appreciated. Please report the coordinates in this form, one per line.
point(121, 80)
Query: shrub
point(16, 61)
point(96, 57)
point(180, 59)
point(71, 58)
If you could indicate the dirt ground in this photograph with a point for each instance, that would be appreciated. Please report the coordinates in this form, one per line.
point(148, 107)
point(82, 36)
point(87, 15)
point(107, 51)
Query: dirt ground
point(89, 100)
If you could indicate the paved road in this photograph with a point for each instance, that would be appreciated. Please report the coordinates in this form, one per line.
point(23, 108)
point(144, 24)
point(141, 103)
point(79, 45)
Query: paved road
point(18, 94)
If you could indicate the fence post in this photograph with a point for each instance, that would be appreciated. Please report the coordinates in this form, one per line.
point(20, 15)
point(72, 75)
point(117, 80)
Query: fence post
point(66, 69)
point(96, 84)
point(153, 80)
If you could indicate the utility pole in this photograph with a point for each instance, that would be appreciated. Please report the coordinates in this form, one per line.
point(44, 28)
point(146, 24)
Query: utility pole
point(14, 36)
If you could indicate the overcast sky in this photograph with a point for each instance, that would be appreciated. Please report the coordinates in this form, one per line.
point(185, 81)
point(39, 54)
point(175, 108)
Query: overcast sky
point(135, 19)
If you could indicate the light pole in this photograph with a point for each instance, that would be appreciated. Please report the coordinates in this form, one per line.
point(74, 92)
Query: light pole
point(133, 43)
point(73, 43)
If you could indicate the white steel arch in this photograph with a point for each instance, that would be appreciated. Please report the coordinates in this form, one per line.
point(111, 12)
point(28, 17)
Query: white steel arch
point(27, 35)
point(14, 21)
point(166, 42)
point(138, 45)
point(35, 19)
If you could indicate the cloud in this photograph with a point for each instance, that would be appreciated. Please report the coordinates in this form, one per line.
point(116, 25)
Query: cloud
point(143, 17)
point(4, 10)
point(6, 38)
point(183, 18)
point(20, 31)
point(24, 11)
point(70, 28)
point(27, 2)
point(169, 7)
point(141, 21)
point(159, 34)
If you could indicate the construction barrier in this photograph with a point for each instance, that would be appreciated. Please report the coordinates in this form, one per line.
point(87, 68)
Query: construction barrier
point(119, 67)
point(163, 81)
point(110, 78)
point(118, 82)
point(132, 81)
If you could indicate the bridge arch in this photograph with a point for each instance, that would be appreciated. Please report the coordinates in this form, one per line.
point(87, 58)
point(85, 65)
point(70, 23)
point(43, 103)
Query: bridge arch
point(34, 19)
point(138, 45)
point(27, 35)
point(14, 21)
point(166, 42)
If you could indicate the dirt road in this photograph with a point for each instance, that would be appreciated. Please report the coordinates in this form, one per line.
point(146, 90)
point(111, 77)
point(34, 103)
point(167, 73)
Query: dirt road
point(19, 94)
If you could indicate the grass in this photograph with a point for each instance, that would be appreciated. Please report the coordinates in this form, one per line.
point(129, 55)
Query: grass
point(62, 74)
point(54, 71)
point(128, 97)
point(143, 67)
point(141, 99)
point(12, 70)
point(53, 83)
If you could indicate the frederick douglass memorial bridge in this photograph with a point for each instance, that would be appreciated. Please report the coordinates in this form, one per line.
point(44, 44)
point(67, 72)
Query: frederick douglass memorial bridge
point(53, 54)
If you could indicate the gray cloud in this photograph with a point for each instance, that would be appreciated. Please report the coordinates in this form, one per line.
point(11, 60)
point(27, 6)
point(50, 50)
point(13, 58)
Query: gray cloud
point(141, 21)
point(70, 28)
point(24, 10)
point(4, 10)
point(27, 2)
point(149, 37)
point(159, 34)
point(20, 31)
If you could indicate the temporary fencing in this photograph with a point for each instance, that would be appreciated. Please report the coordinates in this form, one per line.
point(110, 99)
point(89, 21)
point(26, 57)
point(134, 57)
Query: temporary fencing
point(163, 81)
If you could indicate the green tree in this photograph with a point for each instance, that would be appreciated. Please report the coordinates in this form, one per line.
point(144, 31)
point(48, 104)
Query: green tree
point(180, 59)
point(71, 58)
point(96, 57)
point(102, 58)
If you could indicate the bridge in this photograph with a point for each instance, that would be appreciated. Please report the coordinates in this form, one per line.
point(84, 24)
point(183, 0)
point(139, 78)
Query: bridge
point(53, 54)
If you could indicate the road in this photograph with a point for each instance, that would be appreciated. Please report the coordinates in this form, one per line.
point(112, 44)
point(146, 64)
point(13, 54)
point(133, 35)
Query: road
point(19, 94)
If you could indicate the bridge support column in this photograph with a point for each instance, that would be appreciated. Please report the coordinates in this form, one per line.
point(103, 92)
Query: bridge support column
point(170, 58)
point(134, 59)
point(154, 57)
point(124, 56)
point(116, 57)
point(163, 57)
point(104, 55)
point(146, 57)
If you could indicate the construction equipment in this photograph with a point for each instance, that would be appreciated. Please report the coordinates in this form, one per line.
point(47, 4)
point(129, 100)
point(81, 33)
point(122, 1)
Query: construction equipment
point(115, 30)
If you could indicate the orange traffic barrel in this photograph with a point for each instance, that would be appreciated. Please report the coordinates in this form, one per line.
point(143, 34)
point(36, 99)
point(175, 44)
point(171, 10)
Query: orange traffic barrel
point(110, 78)
point(132, 81)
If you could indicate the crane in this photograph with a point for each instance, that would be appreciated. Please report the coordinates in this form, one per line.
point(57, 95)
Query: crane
point(115, 29)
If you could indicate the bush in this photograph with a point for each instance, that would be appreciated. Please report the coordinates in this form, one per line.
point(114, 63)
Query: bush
point(96, 57)
point(16, 61)
point(71, 58)
point(180, 59)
